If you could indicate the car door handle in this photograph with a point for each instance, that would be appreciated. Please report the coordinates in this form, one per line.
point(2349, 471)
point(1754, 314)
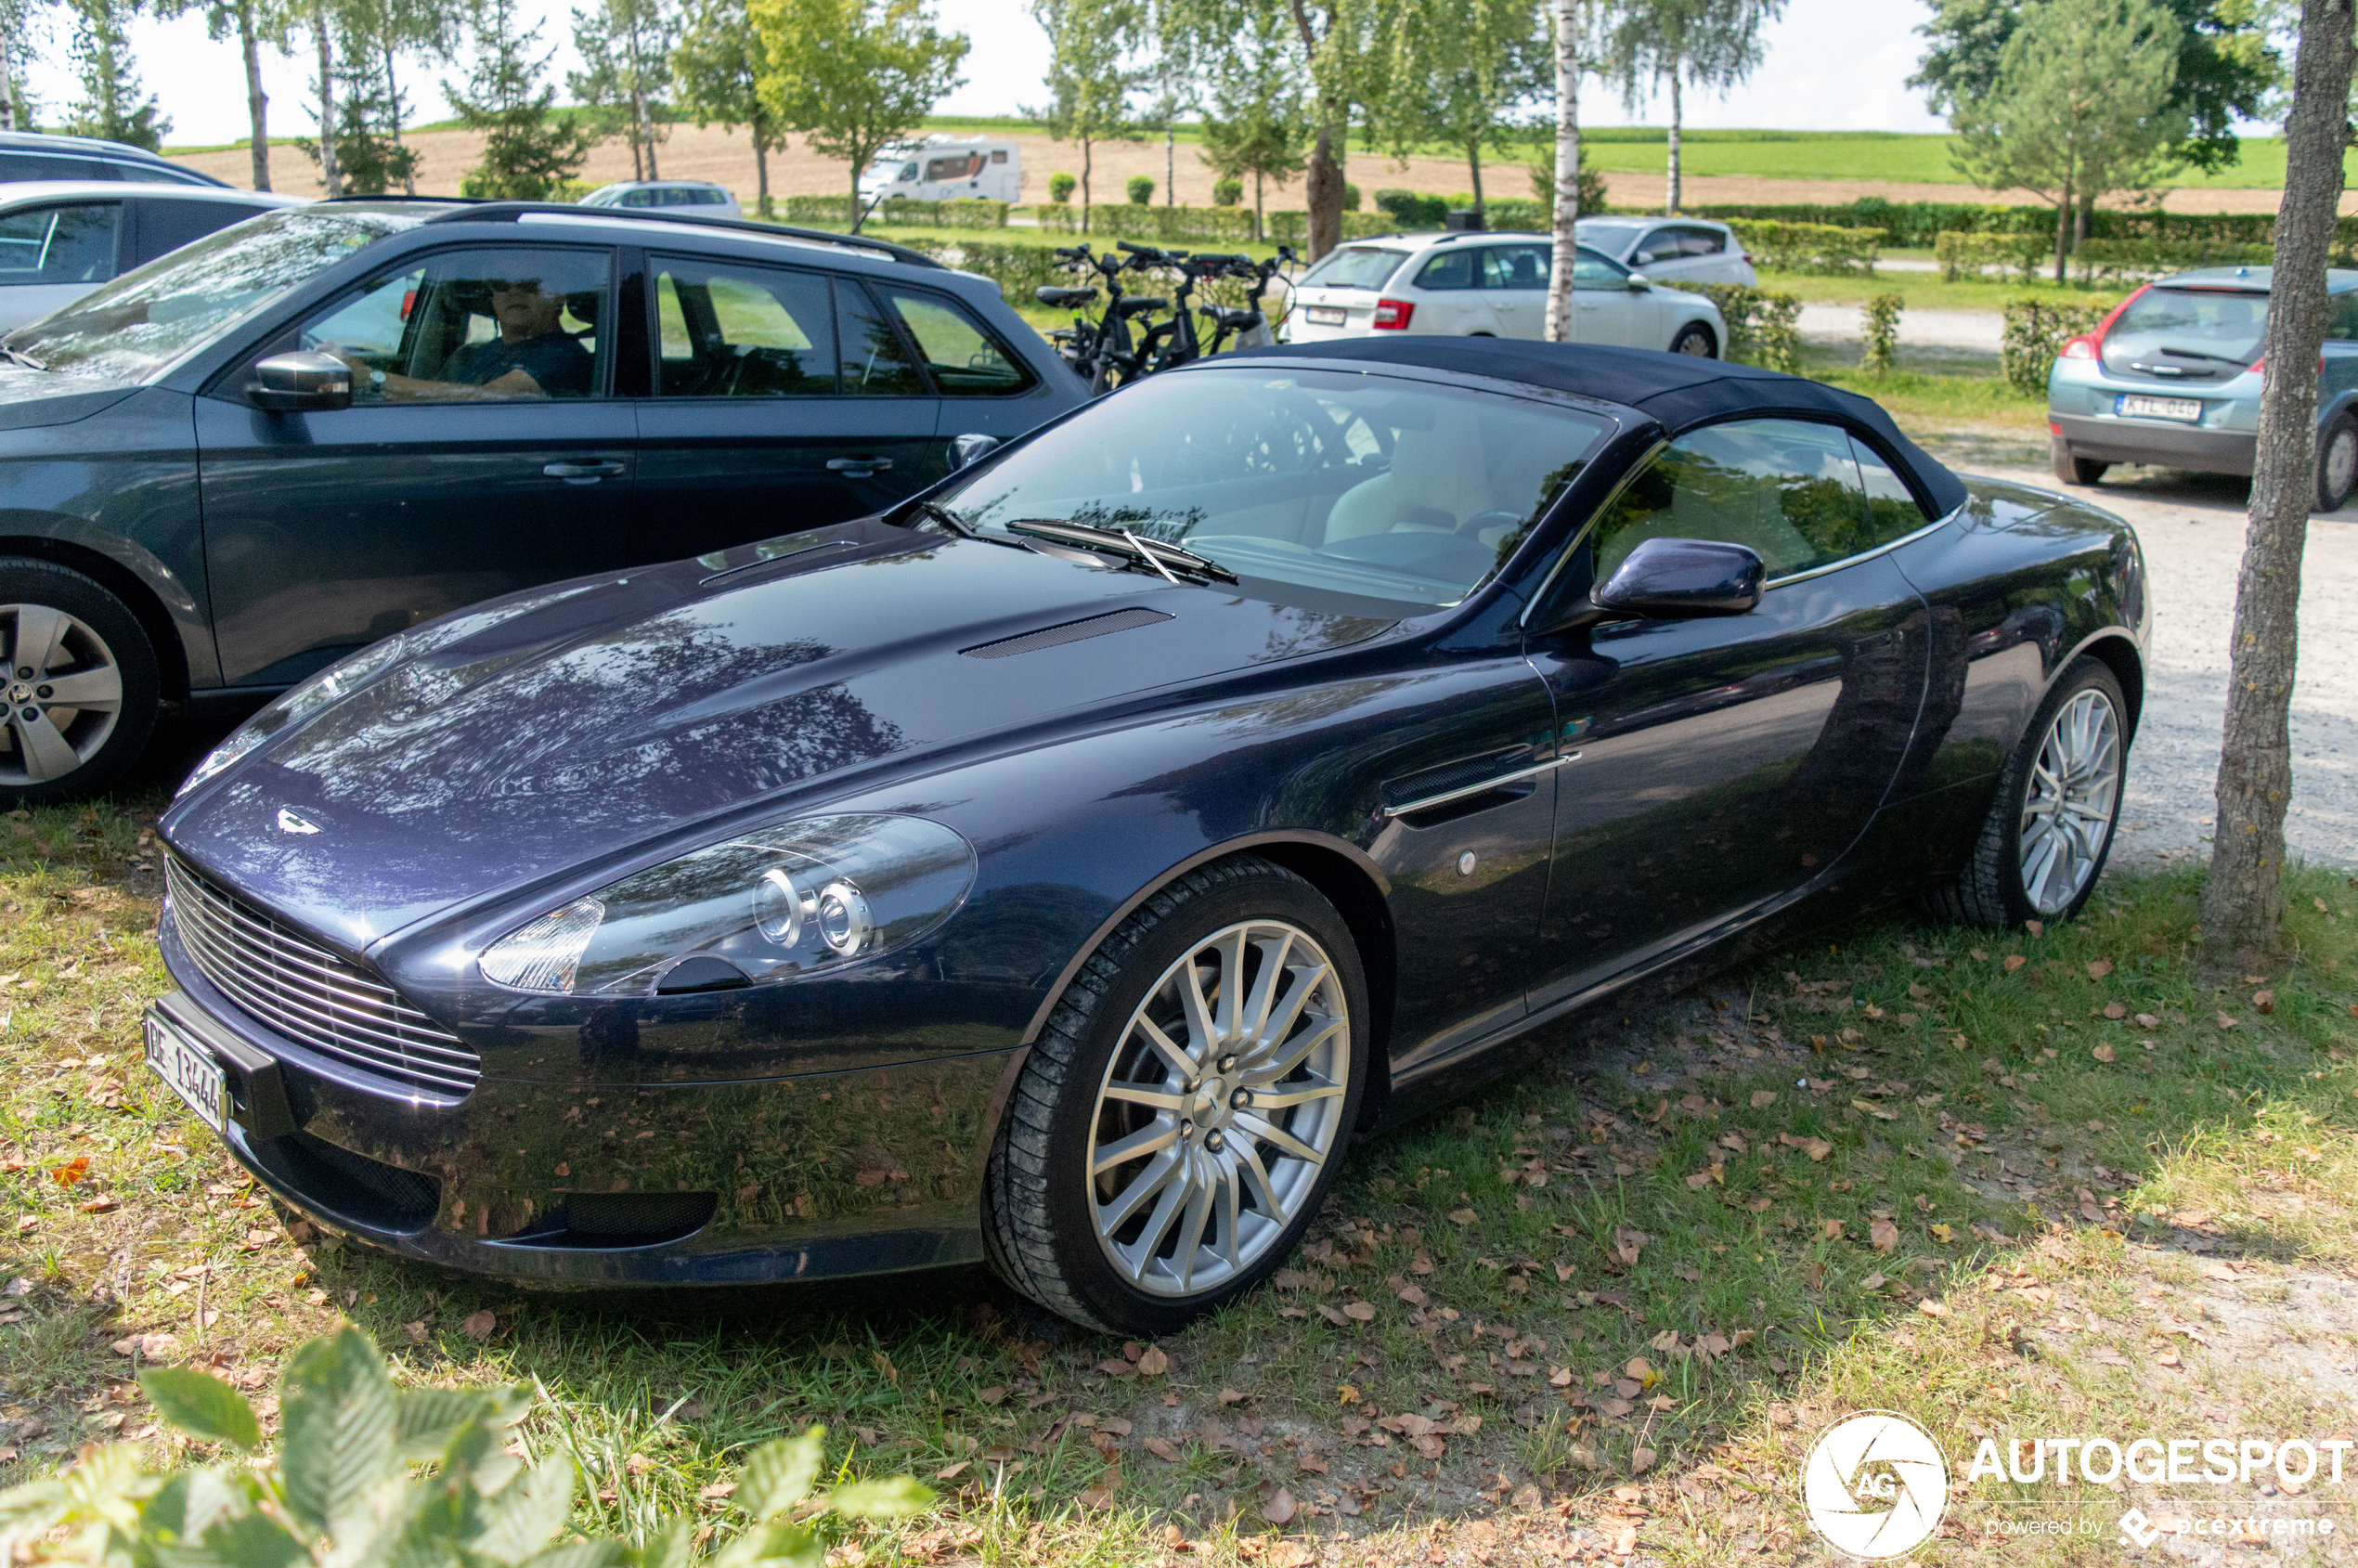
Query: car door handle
point(857, 468)
point(583, 472)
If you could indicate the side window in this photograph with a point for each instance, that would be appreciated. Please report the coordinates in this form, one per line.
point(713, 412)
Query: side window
point(17, 164)
point(1660, 246)
point(1789, 489)
point(961, 354)
point(1892, 510)
point(166, 224)
point(474, 326)
point(1701, 243)
point(1515, 267)
point(733, 330)
point(874, 365)
point(2343, 324)
point(66, 244)
point(1451, 269)
point(1590, 270)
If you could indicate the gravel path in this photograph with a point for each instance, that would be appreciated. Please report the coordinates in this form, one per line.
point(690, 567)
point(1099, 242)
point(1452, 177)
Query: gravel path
point(1918, 328)
point(2192, 526)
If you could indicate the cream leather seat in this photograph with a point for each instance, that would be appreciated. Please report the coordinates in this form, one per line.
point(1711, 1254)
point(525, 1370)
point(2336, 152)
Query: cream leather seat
point(1439, 478)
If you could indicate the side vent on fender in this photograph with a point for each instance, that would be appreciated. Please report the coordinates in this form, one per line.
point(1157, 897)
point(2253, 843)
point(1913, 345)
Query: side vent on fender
point(1071, 631)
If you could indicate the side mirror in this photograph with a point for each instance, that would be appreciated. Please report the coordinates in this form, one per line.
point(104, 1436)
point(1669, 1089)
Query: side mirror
point(967, 450)
point(302, 381)
point(1682, 579)
point(1641, 284)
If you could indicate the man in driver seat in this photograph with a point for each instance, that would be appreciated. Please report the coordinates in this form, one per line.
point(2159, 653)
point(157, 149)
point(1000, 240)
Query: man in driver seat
point(533, 356)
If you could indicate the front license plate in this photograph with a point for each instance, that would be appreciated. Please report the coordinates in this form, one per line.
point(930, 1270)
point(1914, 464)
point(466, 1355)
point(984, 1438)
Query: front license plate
point(189, 1068)
point(1323, 316)
point(2132, 408)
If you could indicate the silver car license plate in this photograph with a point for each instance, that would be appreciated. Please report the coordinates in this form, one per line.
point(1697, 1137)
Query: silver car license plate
point(1323, 316)
point(190, 1069)
point(2131, 407)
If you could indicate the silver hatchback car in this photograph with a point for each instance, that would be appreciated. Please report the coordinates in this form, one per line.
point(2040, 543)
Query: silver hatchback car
point(2173, 378)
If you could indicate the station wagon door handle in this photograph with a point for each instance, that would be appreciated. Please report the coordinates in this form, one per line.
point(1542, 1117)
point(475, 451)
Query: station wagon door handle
point(857, 468)
point(583, 472)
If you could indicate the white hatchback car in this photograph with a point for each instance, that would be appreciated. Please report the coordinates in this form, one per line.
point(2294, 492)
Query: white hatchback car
point(1490, 285)
point(699, 199)
point(1673, 251)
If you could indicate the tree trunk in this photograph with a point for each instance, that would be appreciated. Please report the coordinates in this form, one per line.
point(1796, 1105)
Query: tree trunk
point(1323, 190)
point(1560, 311)
point(760, 168)
point(11, 105)
point(1084, 183)
point(2062, 231)
point(1260, 232)
point(646, 125)
point(393, 114)
point(858, 216)
point(328, 174)
point(2243, 902)
point(1473, 162)
point(257, 101)
point(1169, 158)
point(1677, 113)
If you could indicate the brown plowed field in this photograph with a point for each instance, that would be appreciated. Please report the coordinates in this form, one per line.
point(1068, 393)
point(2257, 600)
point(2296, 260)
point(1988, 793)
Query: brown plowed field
point(714, 154)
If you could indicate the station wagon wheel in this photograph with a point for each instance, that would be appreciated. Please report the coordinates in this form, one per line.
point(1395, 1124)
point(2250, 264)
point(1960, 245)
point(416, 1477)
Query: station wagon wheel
point(1696, 339)
point(2336, 464)
point(79, 681)
point(1180, 1118)
point(2050, 827)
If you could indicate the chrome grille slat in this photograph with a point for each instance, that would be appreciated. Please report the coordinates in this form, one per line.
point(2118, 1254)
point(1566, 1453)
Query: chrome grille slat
point(308, 994)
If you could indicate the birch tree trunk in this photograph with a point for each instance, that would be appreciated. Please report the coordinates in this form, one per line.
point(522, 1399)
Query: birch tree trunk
point(2243, 902)
point(1677, 113)
point(1560, 314)
point(257, 101)
point(1473, 162)
point(330, 175)
point(638, 103)
point(393, 108)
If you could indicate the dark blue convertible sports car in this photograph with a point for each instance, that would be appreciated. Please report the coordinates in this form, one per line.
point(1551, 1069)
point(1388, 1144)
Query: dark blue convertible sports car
point(1062, 867)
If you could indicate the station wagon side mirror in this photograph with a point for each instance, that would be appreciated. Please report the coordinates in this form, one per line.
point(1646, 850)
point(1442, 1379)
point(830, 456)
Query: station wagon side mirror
point(302, 381)
point(967, 450)
point(1669, 580)
point(1641, 284)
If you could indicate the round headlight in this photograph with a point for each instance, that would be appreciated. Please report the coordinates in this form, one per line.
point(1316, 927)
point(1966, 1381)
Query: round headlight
point(779, 907)
point(843, 917)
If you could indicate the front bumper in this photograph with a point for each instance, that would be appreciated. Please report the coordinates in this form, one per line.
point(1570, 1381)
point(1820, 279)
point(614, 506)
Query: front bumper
point(822, 1175)
point(2155, 441)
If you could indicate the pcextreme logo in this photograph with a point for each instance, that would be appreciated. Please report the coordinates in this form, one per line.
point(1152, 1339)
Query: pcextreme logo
point(1874, 1485)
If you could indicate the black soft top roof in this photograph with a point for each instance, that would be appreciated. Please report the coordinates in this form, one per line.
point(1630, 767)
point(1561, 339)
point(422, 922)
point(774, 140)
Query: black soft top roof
point(1679, 389)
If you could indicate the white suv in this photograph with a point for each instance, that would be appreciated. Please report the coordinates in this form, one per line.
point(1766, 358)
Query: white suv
point(1490, 285)
point(1675, 251)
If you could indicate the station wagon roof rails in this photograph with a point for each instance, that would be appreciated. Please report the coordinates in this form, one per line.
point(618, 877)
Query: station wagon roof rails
point(509, 211)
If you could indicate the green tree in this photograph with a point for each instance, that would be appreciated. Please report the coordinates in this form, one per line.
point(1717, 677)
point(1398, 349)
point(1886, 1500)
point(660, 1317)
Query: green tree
point(1091, 74)
point(2079, 109)
point(627, 47)
point(254, 22)
point(1452, 72)
point(24, 27)
point(527, 155)
point(853, 75)
point(1678, 44)
point(714, 69)
point(1255, 125)
point(113, 103)
point(2225, 70)
point(367, 147)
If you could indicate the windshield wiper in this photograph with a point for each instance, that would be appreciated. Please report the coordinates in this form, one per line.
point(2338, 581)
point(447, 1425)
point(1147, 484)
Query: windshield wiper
point(1164, 558)
point(947, 518)
point(2198, 353)
point(21, 358)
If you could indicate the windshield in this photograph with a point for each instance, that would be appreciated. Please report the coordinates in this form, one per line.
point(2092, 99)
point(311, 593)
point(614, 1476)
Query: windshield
point(1354, 266)
point(1611, 237)
point(134, 327)
point(2193, 332)
point(1360, 484)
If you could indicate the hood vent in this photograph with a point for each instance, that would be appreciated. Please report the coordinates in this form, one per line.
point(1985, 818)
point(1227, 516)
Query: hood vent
point(1071, 631)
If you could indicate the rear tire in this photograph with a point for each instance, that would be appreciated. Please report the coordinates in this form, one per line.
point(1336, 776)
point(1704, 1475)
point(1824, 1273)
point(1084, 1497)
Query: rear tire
point(1149, 1168)
point(2050, 822)
point(1696, 338)
point(2078, 470)
point(2336, 464)
point(80, 682)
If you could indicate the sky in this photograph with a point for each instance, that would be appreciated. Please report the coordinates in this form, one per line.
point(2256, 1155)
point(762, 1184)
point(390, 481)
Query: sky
point(1833, 65)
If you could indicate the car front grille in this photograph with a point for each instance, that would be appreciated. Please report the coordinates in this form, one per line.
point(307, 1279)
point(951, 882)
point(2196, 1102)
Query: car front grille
point(308, 994)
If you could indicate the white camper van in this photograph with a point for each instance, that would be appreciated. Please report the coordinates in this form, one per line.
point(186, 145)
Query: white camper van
point(946, 169)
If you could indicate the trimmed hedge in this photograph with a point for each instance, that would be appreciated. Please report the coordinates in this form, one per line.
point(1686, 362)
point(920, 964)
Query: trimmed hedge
point(1162, 224)
point(1967, 254)
point(1810, 247)
point(1764, 326)
point(2035, 331)
point(835, 212)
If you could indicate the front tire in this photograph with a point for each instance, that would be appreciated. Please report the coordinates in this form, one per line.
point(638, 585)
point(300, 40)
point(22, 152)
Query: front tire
point(2050, 827)
point(1182, 1115)
point(80, 683)
point(1696, 338)
point(2336, 464)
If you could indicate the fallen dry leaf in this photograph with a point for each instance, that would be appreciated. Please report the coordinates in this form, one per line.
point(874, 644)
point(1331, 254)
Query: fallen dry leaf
point(1153, 1363)
point(1362, 1312)
point(1931, 1308)
point(2226, 1021)
point(1230, 1397)
point(479, 1324)
point(1160, 1450)
point(2099, 967)
point(1885, 1235)
point(1462, 1216)
point(1763, 1098)
point(72, 1171)
point(2264, 1001)
point(2036, 927)
point(1278, 1507)
point(2103, 1052)
point(1640, 1461)
point(1940, 1233)
point(2014, 961)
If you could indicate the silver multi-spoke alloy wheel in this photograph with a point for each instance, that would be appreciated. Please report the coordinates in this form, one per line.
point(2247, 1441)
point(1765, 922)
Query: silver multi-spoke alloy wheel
point(2337, 465)
point(1222, 1101)
point(2068, 803)
point(64, 691)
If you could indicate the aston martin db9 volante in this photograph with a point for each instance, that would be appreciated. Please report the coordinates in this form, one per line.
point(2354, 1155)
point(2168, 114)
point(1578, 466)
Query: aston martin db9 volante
point(1063, 867)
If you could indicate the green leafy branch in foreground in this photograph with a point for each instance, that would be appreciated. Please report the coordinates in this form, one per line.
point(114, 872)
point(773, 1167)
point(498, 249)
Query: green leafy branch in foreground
point(345, 1490)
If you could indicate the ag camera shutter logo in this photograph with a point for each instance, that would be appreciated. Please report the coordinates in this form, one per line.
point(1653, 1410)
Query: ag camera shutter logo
point(1874, 1485)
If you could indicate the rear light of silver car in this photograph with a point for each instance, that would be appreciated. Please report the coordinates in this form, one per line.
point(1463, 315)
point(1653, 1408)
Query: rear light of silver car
point(1392, 315)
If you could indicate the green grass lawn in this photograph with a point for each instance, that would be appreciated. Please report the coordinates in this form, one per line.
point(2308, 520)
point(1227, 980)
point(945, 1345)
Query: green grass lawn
point(1578, 1311)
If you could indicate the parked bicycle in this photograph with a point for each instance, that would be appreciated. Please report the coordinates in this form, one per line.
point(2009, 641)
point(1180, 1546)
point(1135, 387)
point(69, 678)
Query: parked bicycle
point(1105, 353)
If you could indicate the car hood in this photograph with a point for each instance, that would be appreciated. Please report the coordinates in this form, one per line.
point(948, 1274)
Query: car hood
point(30, 398)
point(525, 738)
